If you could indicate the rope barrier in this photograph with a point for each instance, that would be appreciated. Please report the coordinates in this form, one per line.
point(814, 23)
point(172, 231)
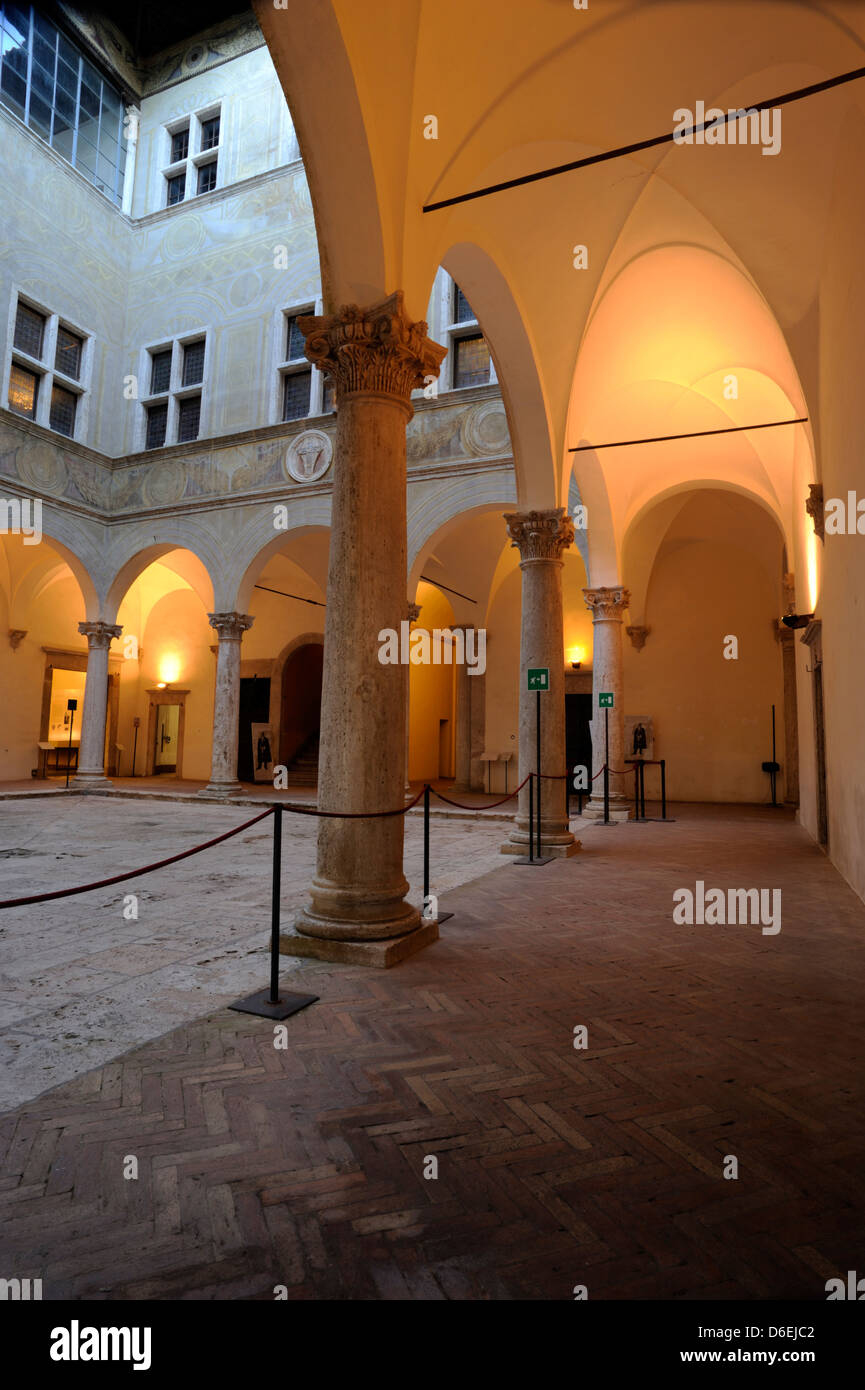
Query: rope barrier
point(490, 806)
point(134, 873)
point(352, 815)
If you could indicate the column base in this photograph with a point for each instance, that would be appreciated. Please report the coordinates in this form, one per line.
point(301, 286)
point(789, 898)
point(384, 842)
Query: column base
point(561, 847)
point(619, 810)
point(90, 782)
point(380, 954)
point(220, 789)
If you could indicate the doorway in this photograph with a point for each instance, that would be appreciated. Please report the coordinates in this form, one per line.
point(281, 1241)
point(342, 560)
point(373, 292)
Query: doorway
point(165, 725)
point(578, 732)
point(446, 765)
point(300, 720)
point(254, 709)
point(165, 744)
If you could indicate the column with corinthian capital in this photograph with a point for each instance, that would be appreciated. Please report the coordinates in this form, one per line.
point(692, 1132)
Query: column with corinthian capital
point(230, 628)
point(541, 536)
point(91, 753)
point(607, 606)
point(357, 910)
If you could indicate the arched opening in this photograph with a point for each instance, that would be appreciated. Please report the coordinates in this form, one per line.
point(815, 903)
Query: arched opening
point(300, 713)
point(703, 669)
point(43, 661)
point(166, 678)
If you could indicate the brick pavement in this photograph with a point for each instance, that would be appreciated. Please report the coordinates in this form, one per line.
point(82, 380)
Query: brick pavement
point(305, 1167)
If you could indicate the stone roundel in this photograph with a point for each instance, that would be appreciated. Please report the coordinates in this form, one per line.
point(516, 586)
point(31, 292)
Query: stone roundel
point(40, 466)
point(485, 429)
point(165, 485)
point(308, 456)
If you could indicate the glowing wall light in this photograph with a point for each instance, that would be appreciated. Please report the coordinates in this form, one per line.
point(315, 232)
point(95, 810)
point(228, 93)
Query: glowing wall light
point(576, 656)
point(169, 669)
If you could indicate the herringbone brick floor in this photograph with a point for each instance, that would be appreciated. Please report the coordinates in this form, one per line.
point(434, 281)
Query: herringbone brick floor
point(305, 1167)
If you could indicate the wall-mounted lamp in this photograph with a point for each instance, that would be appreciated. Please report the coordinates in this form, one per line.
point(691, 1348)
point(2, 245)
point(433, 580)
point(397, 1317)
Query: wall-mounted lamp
point(797, 619)
point(576, 656)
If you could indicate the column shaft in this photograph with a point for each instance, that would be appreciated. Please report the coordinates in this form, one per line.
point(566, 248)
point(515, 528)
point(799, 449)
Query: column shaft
point(91, 752)
point(463, 721)
point(357, 909)
point(226, 704)
point(541, 537)
point(608, 607)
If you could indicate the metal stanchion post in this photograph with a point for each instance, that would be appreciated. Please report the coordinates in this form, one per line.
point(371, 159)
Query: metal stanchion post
point(426, 842)
point(643, 791)
point(531, 819)
point(71, 705)
point(636, 792)
point(268, 1003)
point(663, 789)
point(607, 767)
point(538, 734)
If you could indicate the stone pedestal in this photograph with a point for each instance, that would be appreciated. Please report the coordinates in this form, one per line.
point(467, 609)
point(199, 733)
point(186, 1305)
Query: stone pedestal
point(91, 752)
point(357, 910)
point(541, 537)
point(463, 720)
point(230, 628)
point(607, 606)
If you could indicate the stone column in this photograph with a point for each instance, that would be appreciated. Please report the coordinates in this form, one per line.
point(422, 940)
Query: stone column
point(91, 752)
point(230, 628)
point(607, 607)
point(463, 719)
point(357, 910)
point(413, 615)
point(541, 537)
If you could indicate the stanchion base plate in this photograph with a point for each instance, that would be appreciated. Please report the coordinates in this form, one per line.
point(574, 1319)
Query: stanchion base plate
point(444, 917)
point(524, 859)
point(259, 1003)
point(656, 820)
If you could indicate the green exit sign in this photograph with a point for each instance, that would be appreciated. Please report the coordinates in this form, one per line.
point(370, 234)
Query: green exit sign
point(539, 678)
point(605, 699)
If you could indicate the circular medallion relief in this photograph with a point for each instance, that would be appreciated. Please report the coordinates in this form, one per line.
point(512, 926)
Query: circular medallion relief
point(308, 456)
point(41, 466)
point(165, 484)
point(485, 429)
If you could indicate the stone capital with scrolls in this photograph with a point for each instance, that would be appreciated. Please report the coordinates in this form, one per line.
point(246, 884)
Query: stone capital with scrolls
point(638, 636)
point(376, 349)
point(607, 604)
point(230, 627)
point(99, 634)
point(540, 535)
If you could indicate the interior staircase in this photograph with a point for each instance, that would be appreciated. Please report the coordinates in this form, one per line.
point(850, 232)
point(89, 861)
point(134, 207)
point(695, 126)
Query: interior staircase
point(302, 771)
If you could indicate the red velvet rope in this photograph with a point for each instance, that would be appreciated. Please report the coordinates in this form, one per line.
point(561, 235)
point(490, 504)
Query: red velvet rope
point(185, 854)
point(135, 873)
point(490, 806)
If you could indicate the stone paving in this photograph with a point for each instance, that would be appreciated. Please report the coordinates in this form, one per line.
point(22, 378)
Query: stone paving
point(307, 1167)
point(79, 983)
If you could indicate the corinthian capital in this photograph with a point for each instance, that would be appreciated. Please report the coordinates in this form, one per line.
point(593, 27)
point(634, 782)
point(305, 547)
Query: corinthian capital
point(540, 535)
point(230, 627)
point(373, 349)
point(607, 605)
point(99, 634)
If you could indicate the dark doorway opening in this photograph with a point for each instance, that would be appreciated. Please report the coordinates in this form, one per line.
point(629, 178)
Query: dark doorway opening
point(578, 736)
point(301, 702)
point(254, 709)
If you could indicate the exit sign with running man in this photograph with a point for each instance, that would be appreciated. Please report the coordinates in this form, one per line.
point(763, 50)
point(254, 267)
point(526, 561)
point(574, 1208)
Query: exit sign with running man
point(605, 699)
